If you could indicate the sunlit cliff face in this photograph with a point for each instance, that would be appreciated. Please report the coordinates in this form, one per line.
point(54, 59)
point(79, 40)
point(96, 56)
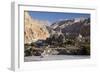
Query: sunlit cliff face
point(34, 29)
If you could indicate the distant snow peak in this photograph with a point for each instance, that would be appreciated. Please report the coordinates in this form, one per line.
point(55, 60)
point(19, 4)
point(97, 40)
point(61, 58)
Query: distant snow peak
point(62, 19)
point(79, 19)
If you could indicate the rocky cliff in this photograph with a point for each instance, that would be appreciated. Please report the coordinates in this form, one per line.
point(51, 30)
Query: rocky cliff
point(34, 29)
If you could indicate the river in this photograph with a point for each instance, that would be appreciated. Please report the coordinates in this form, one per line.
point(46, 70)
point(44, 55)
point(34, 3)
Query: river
point(55, 57)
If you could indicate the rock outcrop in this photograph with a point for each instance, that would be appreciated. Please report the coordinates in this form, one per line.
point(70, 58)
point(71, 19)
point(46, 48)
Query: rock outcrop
point(34, 29)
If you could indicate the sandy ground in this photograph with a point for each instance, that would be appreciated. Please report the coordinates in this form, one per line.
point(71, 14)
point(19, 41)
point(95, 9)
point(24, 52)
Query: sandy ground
point(54, 57)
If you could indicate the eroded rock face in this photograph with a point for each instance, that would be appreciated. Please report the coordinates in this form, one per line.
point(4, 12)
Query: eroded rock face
point(34, 29)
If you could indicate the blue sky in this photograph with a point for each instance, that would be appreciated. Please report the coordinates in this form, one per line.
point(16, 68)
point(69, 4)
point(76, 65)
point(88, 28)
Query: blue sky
point(55, 16)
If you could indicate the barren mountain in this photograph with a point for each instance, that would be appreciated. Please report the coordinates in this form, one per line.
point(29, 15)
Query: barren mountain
point(34, 29)
point(73, 26)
